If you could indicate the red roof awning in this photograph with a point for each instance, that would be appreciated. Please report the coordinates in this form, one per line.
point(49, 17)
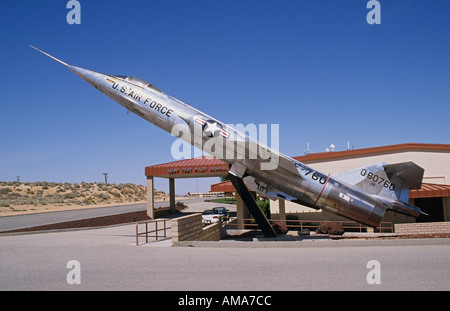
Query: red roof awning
point(430, 191)
point(225, 186)
point(189, 168)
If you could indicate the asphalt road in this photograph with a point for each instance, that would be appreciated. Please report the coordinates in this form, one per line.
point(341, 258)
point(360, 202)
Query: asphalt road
point(110, 260)
point(30, 220)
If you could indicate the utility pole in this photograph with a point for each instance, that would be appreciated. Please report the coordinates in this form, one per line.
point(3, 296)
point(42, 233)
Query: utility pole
point(106, 178)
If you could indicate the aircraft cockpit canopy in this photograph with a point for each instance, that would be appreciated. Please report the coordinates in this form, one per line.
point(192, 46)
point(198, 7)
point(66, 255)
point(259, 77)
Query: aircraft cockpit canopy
point(139, 82)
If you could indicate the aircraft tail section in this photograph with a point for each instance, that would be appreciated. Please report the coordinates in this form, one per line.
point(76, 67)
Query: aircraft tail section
point(392, 181)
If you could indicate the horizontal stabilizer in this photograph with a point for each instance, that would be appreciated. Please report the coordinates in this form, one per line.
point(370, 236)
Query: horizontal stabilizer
point(409, 172)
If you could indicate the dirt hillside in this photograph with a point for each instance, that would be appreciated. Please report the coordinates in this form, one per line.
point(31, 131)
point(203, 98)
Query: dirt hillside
point(17, 198)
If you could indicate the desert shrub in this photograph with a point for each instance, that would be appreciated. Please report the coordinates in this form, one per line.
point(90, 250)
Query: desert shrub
point(22, 201)
point(13, 195)
point(55, 198)
point(77, 202)
point(43, 201)
point(5, 191)
point(33, 201)
point(5, 203)
point(128, 191)
point(114, 192)
point(88, 201)
point(87, 186)
point(102, 196)
point(71, 195)
point(331, 228)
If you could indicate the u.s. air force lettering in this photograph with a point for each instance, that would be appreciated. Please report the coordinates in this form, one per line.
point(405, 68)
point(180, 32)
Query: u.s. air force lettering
point(137, 96)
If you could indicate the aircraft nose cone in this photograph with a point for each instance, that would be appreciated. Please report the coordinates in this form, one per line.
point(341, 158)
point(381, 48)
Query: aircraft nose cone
point(92, 77)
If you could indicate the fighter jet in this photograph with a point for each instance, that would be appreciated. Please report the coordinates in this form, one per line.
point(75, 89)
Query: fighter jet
point(362, 195)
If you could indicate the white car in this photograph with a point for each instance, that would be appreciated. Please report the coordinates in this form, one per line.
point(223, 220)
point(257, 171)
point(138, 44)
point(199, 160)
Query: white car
point(211, 217)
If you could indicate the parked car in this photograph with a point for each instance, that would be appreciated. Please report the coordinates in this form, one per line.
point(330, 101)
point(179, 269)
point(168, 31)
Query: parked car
point(222, 211)
point(210, 216)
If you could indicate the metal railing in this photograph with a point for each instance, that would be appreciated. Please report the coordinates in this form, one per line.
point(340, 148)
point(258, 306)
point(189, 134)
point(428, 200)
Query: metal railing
point(164, 228)
point(384, 227)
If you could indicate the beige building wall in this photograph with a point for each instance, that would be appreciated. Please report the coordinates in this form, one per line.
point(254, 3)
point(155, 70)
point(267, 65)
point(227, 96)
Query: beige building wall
point(436, 164)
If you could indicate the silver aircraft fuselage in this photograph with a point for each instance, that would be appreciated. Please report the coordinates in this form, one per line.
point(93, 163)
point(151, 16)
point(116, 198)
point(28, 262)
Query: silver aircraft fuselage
point(363, 196)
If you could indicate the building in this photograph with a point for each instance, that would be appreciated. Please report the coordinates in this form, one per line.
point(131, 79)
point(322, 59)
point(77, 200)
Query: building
point(433, 198)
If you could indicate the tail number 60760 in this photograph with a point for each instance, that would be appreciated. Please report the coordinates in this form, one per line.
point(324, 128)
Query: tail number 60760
point(378, 179)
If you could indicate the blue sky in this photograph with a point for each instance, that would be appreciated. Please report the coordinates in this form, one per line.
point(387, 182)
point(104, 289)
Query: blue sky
point(317, 68)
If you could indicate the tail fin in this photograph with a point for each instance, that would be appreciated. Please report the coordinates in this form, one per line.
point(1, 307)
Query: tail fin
point(388, 180)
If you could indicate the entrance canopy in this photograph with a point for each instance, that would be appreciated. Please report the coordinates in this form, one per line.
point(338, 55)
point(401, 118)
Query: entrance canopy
point(189, 168)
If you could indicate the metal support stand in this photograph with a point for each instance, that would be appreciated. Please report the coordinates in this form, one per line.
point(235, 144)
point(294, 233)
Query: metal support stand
point(254, 209)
